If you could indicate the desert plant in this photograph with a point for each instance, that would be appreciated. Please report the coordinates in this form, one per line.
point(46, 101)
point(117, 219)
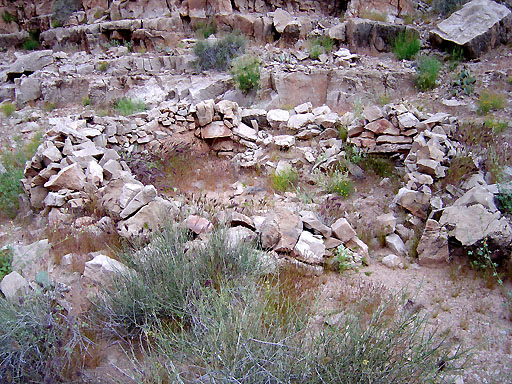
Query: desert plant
point(283, 180)
point(489, 101)
point(102, 66)
point(218, 54)
point(86, 101)
point(205, 29)
point(13, 159)
point(30, 44)
point(343, 258)
point(335, 181)
point(125, 106)
point(464, 83)
point(504, 198)
point(320, 45)
point(461, 166)
point(406, 46)
point(39, 341)
point(165, 274)
point(342, 131)
point(496, 125)
point(330, 209)
point(8, 109)
point(381, 166)
point(245, 71)
point(427, 72)
point(5, 262)
point(9, 18)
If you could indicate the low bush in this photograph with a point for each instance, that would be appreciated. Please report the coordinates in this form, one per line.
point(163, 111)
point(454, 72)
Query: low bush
point(219, 53)
point(8, 109)
point(465, 83)
point(245, 71)
point(285, 179)
point(165, 275)
point(30, 44)
point(496, 125)
point(125, 106)
point(205, 29)
point(320, 45)
point(461, 167)
point(39, 341)
point(335, 181)
point(102, 66)
point(13, 160)
point(489, 101)
point(381, 166)
point(427, 72)
point(5, 262)
point(407, 45)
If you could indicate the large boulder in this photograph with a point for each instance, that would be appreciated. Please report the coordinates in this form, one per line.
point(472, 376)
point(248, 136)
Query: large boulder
point(310, 248)
point(290, 228)
point(30, 63)
point(13, 286)
point(433, 245)
point(102, 268)
point(477, 27)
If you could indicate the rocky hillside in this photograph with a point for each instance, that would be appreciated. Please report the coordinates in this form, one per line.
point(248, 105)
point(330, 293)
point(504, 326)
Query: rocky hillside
point(240, 191)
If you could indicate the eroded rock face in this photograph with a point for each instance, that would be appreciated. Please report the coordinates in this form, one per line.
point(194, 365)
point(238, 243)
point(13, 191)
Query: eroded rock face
point(478, 26)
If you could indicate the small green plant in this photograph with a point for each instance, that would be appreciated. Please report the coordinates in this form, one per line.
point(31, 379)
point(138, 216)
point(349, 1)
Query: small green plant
point(465, 83)
point(496, 125)
point(407, 45)
point(30, 44)
point(456, 56)
point(342, 132)
point(205, 29)
point(285, 179)
point(102, 66)
point(461, 166)
point(336, 181)
point(5, 262)
point(383, 100)
point(125, 106)
point(9, 18)
point(320, 45)
point(245, 71)
point(86, 101)
point(373, 15)
point(488, 101)
point(343, 258)
point(427, 72)
point(49, 106)
point(218, 54)
point(8, 109)
point(504, 198)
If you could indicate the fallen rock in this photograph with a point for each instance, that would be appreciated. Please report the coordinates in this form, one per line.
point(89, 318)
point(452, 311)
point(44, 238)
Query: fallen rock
point(214, 130)
point(386, 223)
point(71, 177)
point(143, 197)
point(342, 230)
point(395, 243)
point(205, 111)
point(198, 224)
point(290, 228)
point(311, 222)
point(414, 201)
point(237, 235)
point(14, 286)
point(30, 63)
point(102, 268)
point(478, 26)
point(276, 117)
point(269, 233)
point(310, 248)
point(391, 261)
point(284, 141)
point(433, 245)
point(296, 122)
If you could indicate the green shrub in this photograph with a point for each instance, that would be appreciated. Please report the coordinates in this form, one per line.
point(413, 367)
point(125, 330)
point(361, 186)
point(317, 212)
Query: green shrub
point(102, 66)
point(166, 273)
point(125, 106)
point(86, 101)
point(489, 101)
point(343, 258)
point(218, 54)
point(9, 18)
point(8, 109)
point(496, 125)
point(5, 262)
point(13, 160)
point(246, 72)
point(246, 335)
point(427, 72)
point(407, 45)
point(342, 132)
point(285, 179)
point(30, 44)
point(39, 341)
point(465, 83)
point(205, 29)
point(320, 45)
point(336, 181)
point(504, 198)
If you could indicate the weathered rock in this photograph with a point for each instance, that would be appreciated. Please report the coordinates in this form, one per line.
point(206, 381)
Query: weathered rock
point(27, 89)
point(433, 245)
point(391, 261)
point(269, 233)
point(372, 113)
point(245, 132)
point(198, 224)
point(386, 223)
point(259, 115)
point(477, 195)
point(310, 248)
point(27, 257)
point(290, 228)
point(342, 230)
point(407, 120)
point(112, 169)
point(478, 26)
point(50, 154)
point(94, 173)
point(14, 286)
point(304, 108)
point(276, 117)
point(214, 130)
point(379, 126)
point(237, 235)
point(143, 197)
point(296, 122)
point(205, 111)
point(395, 243)
point(101, 269)
point(358, 246)
point(414, 201)
point(337, 32)
point(54, 199)
point(71, 177)
point(431, 167)
point(472, 224)
point(373, 34)
point(149, 219)
point(312, 223)
point(284, 141)
point(30, 63)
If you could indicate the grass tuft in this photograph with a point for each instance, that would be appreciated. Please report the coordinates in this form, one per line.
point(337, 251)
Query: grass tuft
point(8, 109)
point(407, 45)
point(285, 179)
point(218, 54)
point(427, 72)
point(125, 106)
point(489, 101)
point(245, 71)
